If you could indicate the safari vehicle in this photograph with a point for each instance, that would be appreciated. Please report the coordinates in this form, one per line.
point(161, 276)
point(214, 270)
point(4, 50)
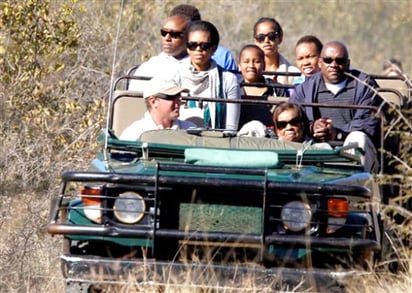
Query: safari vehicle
point(213, 204)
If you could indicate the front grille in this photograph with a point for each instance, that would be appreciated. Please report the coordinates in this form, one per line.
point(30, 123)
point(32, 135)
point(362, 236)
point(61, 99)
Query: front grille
point(220, 218)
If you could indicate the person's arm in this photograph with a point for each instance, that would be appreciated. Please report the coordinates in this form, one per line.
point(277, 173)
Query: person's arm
point(298, 95)
point(232, 91)
point(363, 119)
point(320, 128)
point(303, 93)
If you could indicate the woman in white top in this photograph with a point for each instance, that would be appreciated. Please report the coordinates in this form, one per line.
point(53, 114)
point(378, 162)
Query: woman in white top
point(204, 78)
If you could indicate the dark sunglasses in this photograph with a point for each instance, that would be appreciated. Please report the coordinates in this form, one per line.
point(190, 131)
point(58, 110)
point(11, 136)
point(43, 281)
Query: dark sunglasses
point(168, 97)
point(283, 124)
point(203, 46)
point(271, 36)
point(339, 60)
point(173, 35)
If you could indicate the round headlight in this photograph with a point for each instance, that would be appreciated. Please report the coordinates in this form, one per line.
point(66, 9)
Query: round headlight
point(129, 207)
point(296, 215)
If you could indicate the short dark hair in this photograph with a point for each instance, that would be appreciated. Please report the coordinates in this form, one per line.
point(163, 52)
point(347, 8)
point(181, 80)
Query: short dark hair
point(311, 39)
point(272, 21)
point(339, 45)
point(202, 25)
point(252, 46)
point(185, 9)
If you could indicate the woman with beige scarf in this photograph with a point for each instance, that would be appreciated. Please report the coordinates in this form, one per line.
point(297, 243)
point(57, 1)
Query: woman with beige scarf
point(204, 78)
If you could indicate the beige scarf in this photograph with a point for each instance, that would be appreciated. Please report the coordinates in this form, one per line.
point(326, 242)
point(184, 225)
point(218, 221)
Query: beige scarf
point(203, 84)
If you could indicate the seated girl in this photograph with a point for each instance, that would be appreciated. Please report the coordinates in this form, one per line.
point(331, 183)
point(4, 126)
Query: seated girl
point(252, 65)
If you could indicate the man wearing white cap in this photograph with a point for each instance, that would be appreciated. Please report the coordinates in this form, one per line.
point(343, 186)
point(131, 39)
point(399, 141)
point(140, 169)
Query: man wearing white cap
point(163, 106)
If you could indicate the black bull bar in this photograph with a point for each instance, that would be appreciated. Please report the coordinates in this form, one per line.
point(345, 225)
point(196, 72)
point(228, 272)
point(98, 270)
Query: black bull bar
point(258, 239)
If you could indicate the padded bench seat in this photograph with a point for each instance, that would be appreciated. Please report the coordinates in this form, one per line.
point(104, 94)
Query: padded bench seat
point(214, 139)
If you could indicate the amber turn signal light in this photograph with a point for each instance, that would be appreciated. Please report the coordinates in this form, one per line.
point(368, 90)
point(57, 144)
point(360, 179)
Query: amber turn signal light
point(338, 207)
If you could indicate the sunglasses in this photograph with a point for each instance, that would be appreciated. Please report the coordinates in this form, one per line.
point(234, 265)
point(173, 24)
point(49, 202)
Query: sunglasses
point(203, 46)
point(271, 36)
point(282, 124)
point(168, 97)
point(339, 60)
point(173, 35)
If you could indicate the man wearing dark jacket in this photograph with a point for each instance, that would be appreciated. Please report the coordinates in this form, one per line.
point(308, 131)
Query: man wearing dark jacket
point(340, 85)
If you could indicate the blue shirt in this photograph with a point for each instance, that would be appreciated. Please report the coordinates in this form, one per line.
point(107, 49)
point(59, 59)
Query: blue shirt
point(359, 89)
point(224, 58)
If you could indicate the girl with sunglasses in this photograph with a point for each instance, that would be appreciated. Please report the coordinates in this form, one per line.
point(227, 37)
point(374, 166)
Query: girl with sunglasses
point(268, 35)
point(204, 78)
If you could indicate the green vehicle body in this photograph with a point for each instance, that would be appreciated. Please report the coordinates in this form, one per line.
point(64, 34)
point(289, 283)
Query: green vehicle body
point(233, 211)
point(207, 200)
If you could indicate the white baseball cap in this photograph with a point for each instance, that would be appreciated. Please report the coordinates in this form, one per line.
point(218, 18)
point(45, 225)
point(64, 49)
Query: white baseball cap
point(161, 86)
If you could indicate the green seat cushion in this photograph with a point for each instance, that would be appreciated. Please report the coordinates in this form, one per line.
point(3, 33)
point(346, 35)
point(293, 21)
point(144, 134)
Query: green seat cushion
point(232, 158)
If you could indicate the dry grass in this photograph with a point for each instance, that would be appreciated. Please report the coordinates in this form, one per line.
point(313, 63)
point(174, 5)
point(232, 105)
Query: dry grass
point(29, 261)
point(29, 258)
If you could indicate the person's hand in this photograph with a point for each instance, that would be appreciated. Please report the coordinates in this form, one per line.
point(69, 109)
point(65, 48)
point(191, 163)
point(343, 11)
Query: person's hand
point(323, 130)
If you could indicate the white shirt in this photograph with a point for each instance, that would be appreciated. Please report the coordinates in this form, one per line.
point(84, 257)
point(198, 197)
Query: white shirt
point(334, 88)
point(135, 130)
point(285, 66)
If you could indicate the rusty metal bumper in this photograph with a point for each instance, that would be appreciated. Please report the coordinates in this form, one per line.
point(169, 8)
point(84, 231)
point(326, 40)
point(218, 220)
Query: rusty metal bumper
point(98, 270)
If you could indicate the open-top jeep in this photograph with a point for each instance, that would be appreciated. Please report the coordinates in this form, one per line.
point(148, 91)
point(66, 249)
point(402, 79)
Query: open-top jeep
point(216, 205)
